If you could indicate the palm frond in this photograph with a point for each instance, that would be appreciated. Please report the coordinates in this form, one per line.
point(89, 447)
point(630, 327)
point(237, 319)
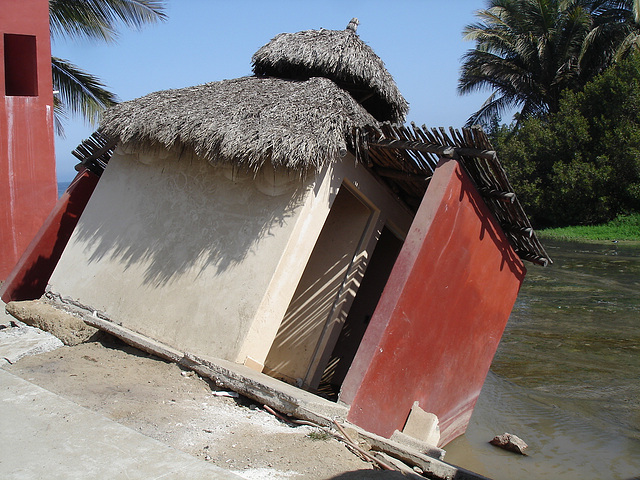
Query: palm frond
point(493, 106)
point(79, 93)
point(529, 51)
point(99, 19)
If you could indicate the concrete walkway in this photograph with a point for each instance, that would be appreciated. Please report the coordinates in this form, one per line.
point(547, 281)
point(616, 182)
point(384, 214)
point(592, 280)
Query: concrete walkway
point(43, 435)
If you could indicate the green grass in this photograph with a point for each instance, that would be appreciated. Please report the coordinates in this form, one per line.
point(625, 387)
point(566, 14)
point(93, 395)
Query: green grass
point(622, 228)
point(318, 435)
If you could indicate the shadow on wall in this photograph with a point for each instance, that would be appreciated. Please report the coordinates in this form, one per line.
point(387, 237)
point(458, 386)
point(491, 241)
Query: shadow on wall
point(510, 258)
point(177, 215)
point(321, 299)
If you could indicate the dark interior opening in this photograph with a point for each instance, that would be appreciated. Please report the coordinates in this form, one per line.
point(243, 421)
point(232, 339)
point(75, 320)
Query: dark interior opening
point(321, 296)
point(382, 261)
point(20, 65)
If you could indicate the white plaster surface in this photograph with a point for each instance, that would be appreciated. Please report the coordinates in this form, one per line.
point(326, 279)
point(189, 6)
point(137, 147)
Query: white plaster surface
point(18, 340)
point(46, 436)
point(175, 250)
point(204, 259)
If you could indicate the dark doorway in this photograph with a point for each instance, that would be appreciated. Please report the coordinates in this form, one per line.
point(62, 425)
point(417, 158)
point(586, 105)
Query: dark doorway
point(364, 304)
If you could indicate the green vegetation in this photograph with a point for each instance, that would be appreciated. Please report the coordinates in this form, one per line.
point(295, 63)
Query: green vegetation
point(319, 435)
point(622, 228)
point(580, 166)
point(529, 51)
point(572, 68)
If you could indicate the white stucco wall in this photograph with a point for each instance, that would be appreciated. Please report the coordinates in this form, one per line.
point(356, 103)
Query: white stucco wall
point(174, 249)
point(203, 259)
point(385, 210)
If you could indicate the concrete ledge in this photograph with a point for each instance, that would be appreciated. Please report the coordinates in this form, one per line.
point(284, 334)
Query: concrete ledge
point(135, 339)
point(268, 390)
point(432, 464)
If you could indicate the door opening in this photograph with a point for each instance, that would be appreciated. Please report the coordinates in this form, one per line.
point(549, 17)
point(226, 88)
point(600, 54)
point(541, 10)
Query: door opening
point(364, 304)
point(321, 299)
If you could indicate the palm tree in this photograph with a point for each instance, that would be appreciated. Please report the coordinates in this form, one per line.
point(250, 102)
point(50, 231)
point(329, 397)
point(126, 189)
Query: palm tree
point(616, 31)
point(528, 51)
point(78, 91)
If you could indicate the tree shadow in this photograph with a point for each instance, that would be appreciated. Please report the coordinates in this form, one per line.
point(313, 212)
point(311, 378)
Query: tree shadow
point(180, 216)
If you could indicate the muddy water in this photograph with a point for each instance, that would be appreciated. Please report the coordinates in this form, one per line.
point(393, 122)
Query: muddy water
point(566, 377)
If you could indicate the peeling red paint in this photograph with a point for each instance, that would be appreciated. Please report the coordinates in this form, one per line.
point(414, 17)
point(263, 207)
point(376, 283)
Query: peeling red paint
point(441, 316)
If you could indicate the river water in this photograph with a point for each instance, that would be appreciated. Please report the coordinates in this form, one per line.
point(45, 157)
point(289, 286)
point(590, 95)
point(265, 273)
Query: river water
point(566, 376)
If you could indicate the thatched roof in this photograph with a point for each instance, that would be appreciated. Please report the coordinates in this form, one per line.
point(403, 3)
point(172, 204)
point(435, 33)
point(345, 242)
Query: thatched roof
point(311, 118)
point(341, 56)
point(247, 121)
point(405, 158)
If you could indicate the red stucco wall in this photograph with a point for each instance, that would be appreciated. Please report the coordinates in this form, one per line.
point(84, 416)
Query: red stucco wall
point(440, 318)
point(28, 188)
point(28, 279)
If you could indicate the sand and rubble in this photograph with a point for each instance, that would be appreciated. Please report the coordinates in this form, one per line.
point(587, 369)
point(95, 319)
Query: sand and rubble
point(189, 413)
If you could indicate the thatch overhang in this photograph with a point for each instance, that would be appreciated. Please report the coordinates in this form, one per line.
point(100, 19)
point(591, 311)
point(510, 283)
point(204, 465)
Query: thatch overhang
point(341, 56)
point(405, 159)
point(297, 124)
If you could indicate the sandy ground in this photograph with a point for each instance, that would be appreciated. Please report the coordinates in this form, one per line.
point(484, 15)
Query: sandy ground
point(179, 408)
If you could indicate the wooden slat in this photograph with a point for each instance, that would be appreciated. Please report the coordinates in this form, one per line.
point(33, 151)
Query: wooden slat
point(416, 151)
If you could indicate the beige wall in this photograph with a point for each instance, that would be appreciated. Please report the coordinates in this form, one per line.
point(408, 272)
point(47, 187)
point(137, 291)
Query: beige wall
point(175, 250)
point(202, 258)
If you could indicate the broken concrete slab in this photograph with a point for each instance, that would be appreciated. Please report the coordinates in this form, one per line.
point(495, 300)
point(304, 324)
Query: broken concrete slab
point(70, 329)
point(415, 444)
point(18, 340)
point(134, 339)
point(268, 390)
point(421, 426)
point(407, 471)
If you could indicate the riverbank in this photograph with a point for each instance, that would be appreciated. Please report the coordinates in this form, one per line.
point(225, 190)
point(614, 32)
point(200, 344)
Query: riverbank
point(625, 228)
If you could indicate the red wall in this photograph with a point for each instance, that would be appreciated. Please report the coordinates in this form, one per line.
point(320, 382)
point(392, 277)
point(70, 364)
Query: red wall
point(440, 318)
point(28, 188)
point(28, 279)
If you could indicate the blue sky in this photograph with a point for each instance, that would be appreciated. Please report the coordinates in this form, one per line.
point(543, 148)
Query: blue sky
point(208, 40)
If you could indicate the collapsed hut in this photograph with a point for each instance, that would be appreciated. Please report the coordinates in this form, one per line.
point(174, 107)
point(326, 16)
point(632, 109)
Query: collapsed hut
point(289, 223)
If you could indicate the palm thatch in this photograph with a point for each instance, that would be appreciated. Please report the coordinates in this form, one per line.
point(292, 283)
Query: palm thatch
point(311, 118)
point(405, 158)
point(246, 122)
point(341, 56)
